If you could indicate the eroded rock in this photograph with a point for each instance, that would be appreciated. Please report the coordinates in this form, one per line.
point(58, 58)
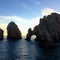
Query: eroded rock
point(48, 30)
point(29, 34)
point(13, 31)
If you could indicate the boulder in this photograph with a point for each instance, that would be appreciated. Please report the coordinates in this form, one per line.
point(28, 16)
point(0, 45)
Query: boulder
point(1, 34)
point(13, 31)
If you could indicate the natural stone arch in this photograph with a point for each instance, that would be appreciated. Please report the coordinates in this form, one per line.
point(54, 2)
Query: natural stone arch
point(30, 35)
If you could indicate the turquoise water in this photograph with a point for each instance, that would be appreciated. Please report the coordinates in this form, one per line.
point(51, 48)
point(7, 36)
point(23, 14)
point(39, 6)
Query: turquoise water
point(27, 50)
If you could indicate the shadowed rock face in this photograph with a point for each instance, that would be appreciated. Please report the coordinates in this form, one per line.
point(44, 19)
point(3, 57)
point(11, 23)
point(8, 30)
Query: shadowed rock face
point(13, 31)
point(1, 34)
point(49, 27)
point(48, 30)
point(29, 34)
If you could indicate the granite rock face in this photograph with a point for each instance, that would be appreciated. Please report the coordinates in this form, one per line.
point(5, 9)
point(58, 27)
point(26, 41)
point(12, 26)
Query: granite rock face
point(13, 31)
point(1, 33)
point(29, 34)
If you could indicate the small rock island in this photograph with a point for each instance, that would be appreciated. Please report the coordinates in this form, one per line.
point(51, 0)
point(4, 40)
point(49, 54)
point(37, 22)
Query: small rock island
point(13, 31)
point(1, 34)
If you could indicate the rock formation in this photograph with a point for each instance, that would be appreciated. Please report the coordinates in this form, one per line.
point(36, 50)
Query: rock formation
point(13, 31)
point(29, 34)
point(48, 30)
point(1, 34)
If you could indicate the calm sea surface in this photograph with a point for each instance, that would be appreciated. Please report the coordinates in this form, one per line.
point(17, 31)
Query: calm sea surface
point(27, 50)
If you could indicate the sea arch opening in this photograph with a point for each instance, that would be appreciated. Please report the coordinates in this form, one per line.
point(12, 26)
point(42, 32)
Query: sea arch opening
point(33, 37)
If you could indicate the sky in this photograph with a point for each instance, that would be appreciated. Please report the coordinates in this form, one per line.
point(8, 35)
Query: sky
point(25, 13)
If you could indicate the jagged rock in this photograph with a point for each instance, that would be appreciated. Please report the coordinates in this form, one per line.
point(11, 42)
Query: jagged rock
point(52, 23)
point(1, 34)
point(48, 30)
point(13, 31)
point(29, 34)
point(35, 32)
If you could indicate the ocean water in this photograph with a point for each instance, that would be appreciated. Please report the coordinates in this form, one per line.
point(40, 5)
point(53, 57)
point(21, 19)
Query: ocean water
point(27, 50)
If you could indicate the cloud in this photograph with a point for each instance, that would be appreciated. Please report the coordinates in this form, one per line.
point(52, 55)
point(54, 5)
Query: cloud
point(22, 23)
point(34, 22)
point(47, 11)
point(12, 18)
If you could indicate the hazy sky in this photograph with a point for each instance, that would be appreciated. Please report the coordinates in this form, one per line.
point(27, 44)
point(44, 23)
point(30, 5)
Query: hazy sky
point(25, 13)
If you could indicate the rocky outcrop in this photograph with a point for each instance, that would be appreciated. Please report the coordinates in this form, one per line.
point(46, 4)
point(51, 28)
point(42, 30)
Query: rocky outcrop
point(1, 34)
point(13, 31)
point(29, 34)
point(48, 30)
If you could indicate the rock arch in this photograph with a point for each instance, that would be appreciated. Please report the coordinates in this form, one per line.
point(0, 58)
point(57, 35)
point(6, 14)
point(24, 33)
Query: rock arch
point(29, 34)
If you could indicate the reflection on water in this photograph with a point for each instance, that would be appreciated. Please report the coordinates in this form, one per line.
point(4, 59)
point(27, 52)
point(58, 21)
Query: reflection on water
point(25, 50)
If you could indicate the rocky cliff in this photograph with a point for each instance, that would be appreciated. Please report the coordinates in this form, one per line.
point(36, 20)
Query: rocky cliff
point(48, 29)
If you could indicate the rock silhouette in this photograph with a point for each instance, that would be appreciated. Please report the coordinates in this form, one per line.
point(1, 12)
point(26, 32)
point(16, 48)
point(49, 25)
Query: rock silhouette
point(13, 31)
point(1, 34)
point(48, 30)
point(29, 34)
